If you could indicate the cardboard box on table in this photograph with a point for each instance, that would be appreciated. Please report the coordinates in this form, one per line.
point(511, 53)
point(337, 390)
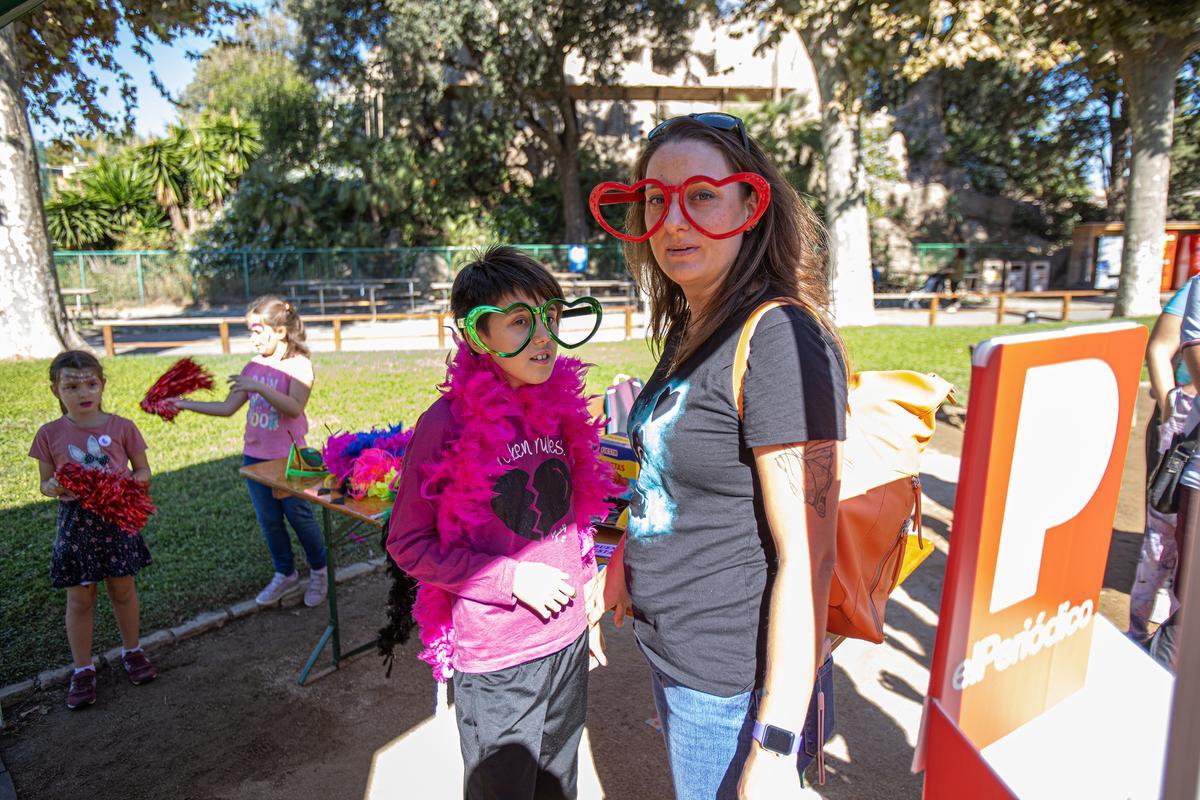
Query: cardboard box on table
point(616, 449)
point(1032, 694)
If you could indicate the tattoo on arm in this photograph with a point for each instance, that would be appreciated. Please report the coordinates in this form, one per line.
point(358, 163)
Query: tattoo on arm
point(810, 473)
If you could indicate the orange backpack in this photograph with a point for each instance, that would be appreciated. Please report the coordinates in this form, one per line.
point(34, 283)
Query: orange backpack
point(889, 420)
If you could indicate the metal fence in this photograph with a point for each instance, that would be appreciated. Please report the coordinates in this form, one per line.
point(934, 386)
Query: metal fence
point(220, 277)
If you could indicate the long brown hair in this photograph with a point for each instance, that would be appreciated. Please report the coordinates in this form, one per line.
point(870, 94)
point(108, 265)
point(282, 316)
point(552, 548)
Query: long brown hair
point(279, 313)
point(782, 256)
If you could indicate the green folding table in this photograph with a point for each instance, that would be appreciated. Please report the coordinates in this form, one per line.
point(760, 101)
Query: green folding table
point(341, 517)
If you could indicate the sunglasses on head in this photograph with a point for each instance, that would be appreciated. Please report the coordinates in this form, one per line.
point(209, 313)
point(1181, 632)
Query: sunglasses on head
point(713, 119)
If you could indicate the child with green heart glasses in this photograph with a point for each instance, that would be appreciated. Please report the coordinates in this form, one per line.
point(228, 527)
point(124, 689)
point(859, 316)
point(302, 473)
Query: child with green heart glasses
point(511, 328)
point(493, 520)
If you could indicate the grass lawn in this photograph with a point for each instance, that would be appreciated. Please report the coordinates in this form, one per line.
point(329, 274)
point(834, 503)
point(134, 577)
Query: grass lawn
point(206, 544)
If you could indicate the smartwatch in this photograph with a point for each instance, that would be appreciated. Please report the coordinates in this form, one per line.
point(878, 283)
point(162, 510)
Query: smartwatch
point(776, 740)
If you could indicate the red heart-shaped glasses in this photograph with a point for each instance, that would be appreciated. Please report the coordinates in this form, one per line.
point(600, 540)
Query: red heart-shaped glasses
point(704, 205)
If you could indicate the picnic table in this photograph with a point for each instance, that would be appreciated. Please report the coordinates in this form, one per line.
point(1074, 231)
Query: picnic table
point(572, 283)
point(601, 288)
point(341, 291)
point(82, 296)
point(351, 515)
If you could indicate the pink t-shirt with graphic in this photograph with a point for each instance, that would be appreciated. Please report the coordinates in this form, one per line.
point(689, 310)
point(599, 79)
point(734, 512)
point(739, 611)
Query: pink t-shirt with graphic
point(107, 446)
point(269, 434)
point(534, 521)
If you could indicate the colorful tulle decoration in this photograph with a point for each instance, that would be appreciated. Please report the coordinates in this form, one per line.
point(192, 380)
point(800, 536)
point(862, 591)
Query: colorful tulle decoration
point(341, 449)
point(184, 377)
point(122, 501)
point(374, 473)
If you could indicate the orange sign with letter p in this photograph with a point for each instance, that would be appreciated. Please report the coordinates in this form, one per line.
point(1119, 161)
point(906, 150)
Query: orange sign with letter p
point(1043, 457)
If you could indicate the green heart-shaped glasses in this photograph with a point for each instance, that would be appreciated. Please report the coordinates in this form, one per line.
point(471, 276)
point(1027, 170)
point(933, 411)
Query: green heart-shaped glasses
point(518, 323)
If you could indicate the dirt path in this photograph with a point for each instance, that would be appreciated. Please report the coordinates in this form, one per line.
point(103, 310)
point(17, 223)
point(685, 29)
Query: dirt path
point(227, 720)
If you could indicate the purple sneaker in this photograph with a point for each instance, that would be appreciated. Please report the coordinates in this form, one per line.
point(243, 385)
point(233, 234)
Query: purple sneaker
point(83, 689)
point(138, 667)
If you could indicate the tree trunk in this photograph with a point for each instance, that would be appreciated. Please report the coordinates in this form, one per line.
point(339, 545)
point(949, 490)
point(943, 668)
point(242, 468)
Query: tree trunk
point(575, 226)
point(851, 290)
point(921, 121)
point(177, 223)
point(850, 285)
point(1149, 78)
point(1118, 131)
point(33, 323)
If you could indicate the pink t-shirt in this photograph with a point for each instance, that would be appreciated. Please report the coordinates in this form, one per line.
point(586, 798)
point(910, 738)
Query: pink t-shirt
point(269, 434)
point(107, 446)
point(534, 521)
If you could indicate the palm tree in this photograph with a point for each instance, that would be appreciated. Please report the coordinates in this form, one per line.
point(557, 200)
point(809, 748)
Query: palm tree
point(205, 165)
point(117, 185)
point(162, 162)
point(76, 221)
point(237, 141)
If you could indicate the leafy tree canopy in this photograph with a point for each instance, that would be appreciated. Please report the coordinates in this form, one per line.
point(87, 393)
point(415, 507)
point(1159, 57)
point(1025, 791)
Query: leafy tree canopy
point(59, 38)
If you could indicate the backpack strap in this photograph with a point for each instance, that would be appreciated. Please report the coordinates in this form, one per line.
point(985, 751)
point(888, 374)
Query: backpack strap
point(741, 356)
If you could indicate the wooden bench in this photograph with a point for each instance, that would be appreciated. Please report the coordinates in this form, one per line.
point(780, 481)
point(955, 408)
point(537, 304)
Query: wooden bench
point(1001, 298)
point(1065, 296)
point(222, 324)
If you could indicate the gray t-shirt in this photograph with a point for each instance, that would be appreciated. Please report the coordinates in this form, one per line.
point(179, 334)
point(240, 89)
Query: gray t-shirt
point(699, 553)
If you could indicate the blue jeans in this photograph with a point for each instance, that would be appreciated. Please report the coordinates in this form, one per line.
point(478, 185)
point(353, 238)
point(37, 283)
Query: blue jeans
point(708, 737)
point(271, 512)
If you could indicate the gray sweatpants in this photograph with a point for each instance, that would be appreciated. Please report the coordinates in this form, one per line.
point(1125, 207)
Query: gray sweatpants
point(519, 728)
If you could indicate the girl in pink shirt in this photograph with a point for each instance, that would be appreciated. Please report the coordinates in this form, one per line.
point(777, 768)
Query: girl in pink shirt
point(87, 548)
point(277, 383)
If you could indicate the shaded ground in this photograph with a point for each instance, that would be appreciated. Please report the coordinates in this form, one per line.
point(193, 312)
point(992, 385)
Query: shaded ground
point(227, 720)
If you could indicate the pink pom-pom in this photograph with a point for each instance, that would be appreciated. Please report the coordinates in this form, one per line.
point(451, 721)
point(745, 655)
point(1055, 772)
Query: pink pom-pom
point(184, 377)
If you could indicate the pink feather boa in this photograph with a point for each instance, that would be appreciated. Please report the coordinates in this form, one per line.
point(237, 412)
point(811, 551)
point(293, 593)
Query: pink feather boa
point(461, 482)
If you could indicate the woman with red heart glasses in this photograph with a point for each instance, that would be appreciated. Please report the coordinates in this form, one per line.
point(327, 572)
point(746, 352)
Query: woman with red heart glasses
point(726, 561)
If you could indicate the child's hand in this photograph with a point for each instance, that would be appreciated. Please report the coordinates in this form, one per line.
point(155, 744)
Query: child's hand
point(596, 657)
point(593, 593)
point(241, 383)
point(615, 594)
point(52, 488)
point(542, 587)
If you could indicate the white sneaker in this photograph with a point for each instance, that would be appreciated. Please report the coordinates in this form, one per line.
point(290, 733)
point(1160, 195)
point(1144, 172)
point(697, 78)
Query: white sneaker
point(318, 585)
point(277, 588)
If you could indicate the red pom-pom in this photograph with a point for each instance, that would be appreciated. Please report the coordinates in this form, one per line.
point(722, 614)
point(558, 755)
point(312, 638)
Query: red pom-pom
point(184, 377)
point(120, 500)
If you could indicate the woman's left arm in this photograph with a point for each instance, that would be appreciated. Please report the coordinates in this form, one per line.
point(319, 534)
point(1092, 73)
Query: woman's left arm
point(800, 484)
